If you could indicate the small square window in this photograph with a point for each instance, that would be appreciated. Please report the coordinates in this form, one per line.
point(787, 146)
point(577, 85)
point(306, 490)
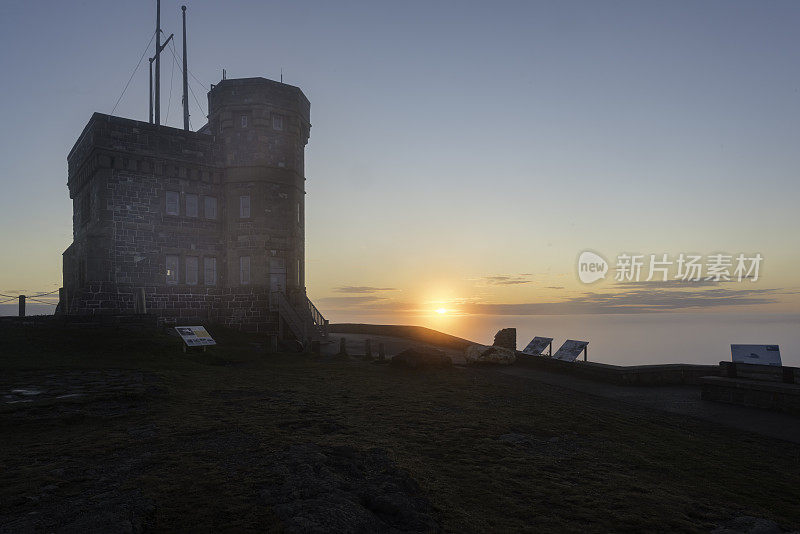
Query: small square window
point(210, 207)
point(244, 121)
point(244, 206)
point(173, 203)
point(277, 122)
point(191, 205)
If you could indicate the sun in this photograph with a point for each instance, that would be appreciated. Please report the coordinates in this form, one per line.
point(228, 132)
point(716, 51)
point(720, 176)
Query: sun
point(441, 311)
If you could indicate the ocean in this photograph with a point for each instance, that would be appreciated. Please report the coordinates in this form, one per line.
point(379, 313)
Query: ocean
point(626, 339)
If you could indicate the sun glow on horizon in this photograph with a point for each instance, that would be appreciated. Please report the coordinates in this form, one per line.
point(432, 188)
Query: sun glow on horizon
point(441, 311)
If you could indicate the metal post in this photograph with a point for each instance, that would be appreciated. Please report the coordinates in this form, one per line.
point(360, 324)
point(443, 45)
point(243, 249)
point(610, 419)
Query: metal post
point(585, 353)
point(22, 305)
point(158, 63)
point(185, 77)
point(151, 90)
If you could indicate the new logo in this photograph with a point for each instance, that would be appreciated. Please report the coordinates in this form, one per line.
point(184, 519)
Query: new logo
point(591, 267)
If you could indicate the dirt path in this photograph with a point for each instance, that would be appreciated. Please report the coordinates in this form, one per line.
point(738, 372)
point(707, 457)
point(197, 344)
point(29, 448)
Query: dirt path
point(683, 400)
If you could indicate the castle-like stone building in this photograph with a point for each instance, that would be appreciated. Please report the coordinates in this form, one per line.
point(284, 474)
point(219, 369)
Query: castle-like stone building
point(195, 227)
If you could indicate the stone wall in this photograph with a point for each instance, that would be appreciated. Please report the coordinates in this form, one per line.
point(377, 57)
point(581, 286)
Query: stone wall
point(756, 394)
point(245, 308)
point(634, 375)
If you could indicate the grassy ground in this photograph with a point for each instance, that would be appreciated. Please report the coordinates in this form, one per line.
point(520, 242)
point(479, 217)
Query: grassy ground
point(156, 439)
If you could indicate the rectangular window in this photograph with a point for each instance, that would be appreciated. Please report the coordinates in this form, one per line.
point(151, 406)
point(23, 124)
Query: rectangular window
point(173, 204)
point(210, 271)
point(277, 122)
point(86, 207)
point(172, 270)
point(244, 270)
point(244, 207)
point(191, 205)
point(191, 270)
point(244, 121)
point(210, 207)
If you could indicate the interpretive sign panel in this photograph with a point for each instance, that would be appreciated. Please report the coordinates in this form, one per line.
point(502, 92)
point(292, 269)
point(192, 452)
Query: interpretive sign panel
point(537, 345)
point(570, 350)
point(195, 336)
point(757, 354)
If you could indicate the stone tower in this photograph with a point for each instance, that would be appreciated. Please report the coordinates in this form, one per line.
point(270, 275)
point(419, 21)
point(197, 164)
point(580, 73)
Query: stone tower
point(208, 225)
point(262, 128)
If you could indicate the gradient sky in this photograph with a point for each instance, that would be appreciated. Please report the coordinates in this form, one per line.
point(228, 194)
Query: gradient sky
point(462, 154)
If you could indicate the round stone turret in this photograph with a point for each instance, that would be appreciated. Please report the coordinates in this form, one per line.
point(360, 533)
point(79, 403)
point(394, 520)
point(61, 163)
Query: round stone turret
point(262, 128)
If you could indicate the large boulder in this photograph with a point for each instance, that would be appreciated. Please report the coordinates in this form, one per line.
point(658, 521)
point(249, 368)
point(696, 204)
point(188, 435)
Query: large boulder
point(422, 358)
point(506, 338)
point(483, 355)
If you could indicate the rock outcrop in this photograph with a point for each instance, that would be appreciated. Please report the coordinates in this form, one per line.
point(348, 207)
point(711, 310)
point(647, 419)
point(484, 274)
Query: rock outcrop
point(323, 488)
point(506, 338)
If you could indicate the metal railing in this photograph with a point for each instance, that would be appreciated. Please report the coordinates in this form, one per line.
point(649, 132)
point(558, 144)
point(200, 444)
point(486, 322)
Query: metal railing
point(319, 321)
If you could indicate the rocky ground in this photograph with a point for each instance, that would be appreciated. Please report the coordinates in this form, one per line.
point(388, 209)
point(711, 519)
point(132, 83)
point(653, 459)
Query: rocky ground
point(114, 431)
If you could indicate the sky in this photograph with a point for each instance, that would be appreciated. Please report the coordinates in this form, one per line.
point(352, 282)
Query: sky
point(462, 154)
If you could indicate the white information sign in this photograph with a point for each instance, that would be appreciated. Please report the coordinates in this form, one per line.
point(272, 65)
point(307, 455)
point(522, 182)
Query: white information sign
point(757, 354)
point(195, 336)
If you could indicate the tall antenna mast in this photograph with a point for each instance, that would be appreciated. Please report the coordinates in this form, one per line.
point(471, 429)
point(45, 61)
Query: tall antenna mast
point(157, 59)
point(158, 62)
point(185, 77)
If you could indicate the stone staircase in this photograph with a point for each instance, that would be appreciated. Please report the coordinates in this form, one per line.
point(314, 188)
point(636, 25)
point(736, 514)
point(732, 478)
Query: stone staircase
point(303, 319)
